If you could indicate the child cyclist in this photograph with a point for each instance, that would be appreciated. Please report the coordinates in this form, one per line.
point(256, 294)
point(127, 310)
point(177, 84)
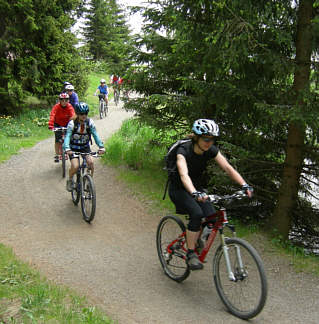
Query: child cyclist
point(77, 139)
point(60, 115)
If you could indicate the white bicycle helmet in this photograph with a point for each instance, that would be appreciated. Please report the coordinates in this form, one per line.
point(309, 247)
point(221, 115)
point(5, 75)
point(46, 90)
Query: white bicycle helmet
point(102, 81)
point(205, 127)
point(69, 87)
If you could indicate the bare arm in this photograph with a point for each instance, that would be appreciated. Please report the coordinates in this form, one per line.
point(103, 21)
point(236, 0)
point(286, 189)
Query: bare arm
point(183, 172)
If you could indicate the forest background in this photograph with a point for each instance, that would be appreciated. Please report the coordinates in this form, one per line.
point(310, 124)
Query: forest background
point(252, 66)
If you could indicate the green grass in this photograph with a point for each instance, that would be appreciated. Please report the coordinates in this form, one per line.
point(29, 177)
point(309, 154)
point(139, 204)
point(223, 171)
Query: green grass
point(26, 297)
point(23, 131)
point(134, 147)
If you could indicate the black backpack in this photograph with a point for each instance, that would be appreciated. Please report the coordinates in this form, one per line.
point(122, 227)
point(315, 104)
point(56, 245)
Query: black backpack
point(170, 161)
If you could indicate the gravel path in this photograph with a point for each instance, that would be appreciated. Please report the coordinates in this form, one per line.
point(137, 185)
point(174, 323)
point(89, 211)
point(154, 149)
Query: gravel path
point(114, 261)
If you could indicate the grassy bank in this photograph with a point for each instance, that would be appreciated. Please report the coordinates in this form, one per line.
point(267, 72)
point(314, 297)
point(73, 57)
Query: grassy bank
point(23, 131)
point(26, 297)
point(134, 150)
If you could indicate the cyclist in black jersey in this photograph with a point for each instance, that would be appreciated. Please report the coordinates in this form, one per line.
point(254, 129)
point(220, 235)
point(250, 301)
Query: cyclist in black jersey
point(186, 188)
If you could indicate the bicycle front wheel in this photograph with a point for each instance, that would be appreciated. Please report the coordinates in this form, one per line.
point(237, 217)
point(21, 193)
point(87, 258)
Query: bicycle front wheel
point(63, 164)
point(101, 109)
point(88, 199)
point(105, 109)
point(171, 247)
point(116, 98)
point(245, 294)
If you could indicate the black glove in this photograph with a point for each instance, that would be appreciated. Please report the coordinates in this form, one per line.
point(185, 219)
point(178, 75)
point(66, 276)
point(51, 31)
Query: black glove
point(198, 194)
point(246, 187)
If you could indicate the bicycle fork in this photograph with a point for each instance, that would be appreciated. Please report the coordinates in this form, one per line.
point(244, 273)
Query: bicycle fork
point(230, 271)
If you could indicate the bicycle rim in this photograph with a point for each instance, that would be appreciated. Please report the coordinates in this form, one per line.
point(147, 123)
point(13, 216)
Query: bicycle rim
point(246, 296)
point(171, 248)
point(88, 199)
point(76, 192)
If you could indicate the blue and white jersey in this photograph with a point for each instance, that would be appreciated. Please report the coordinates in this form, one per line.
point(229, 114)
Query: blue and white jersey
point(78, 135)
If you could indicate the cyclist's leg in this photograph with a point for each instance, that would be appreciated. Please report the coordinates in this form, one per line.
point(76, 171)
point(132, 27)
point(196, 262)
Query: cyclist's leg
point(90, 164)
point(184, 201)
point(57, 143)
point(75, 163)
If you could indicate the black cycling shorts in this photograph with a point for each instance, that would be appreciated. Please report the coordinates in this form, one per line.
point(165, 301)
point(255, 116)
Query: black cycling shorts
point(186, 204)
point(87, 149)
point(58, 134)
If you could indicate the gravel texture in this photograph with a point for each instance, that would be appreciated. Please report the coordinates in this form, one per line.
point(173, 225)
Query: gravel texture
point(113, 261)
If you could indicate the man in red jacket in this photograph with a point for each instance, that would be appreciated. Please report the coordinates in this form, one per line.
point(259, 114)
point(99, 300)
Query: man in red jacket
point(60, 115)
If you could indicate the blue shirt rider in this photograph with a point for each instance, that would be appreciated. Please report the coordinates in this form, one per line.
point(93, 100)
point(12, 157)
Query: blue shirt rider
point(73, 97)
point(103, 91)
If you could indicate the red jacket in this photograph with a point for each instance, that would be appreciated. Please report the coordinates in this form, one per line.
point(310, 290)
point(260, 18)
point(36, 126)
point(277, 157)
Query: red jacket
point(60, 115)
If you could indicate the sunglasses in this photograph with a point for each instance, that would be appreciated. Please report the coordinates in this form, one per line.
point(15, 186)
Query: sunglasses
point(82, 114)
point(64, 100)
point(208, 139)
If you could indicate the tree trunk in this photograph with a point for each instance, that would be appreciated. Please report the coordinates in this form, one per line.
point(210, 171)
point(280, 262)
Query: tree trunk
point(288, 191)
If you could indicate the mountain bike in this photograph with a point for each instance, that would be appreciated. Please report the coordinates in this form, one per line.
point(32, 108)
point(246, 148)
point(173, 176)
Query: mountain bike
point(116, 95)
point(62, 155)
point(103, 109)
point(238, 270)
point(84, 188)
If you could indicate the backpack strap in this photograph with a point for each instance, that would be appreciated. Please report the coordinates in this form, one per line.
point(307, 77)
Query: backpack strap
point(166, 186)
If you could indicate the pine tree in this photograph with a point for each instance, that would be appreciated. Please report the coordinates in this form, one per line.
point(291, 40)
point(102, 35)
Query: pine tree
point(107, 34)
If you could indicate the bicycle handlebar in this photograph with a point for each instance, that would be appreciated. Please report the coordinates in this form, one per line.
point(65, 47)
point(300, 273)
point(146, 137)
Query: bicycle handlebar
point(94, 154)
point(56, 129)
point(237, 195)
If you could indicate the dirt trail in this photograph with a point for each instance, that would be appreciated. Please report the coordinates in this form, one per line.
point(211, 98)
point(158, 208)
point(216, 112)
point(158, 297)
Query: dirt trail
point(114, 261)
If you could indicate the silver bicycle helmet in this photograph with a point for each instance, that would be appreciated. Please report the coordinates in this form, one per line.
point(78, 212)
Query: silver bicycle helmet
point(69, 87)
point(205, 127)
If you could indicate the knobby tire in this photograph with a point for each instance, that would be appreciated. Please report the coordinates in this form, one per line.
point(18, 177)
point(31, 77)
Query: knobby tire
point(76, 192)
point(246, 296)
point(101, 109)
point(88, 198)
point(63, 164)
point(174, 265)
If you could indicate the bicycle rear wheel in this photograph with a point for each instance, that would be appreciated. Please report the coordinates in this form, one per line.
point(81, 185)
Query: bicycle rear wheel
point(116, 97)
point(76, 192)
point(88, 199)
point(171, 247)
point(246, 295)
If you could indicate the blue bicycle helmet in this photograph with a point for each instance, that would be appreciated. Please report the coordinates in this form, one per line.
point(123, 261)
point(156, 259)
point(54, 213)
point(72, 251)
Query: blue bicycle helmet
point(205, 127)
point(82, 108)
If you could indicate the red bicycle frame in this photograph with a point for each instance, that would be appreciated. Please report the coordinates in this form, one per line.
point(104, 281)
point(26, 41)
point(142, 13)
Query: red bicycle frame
point(219, 220)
